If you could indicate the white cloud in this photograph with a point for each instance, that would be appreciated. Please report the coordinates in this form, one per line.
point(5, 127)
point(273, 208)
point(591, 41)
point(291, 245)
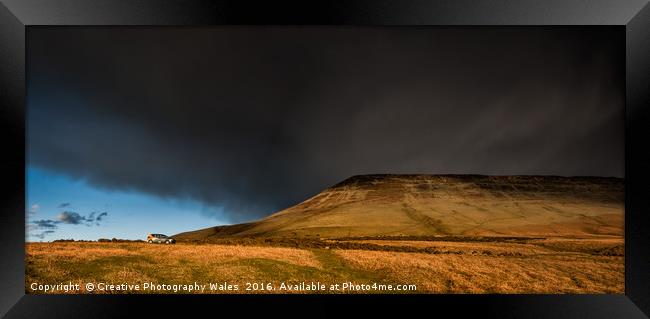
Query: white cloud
point(34, 208)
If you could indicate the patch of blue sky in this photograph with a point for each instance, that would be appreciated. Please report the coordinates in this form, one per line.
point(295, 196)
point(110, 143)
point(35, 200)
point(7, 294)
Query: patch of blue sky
point(131, 214)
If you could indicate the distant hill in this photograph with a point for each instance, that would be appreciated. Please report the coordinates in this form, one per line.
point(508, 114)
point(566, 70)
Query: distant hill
point(431, 205)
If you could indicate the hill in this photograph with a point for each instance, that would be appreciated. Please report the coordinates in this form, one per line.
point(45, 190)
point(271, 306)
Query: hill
point(439, 205)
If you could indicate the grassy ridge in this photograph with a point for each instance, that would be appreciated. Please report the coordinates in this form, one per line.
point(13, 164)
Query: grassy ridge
point(436, 205)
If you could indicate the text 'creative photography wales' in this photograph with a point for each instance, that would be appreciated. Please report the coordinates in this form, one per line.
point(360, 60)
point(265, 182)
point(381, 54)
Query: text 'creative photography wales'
point(327, 160)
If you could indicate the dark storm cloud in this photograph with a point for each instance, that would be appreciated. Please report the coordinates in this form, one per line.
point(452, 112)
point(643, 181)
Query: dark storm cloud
point(257, 119)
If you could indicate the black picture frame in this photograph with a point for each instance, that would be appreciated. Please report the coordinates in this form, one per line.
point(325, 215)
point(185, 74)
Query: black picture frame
point(16, 16)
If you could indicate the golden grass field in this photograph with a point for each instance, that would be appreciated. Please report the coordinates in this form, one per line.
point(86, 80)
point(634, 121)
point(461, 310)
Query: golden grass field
point(551, 265)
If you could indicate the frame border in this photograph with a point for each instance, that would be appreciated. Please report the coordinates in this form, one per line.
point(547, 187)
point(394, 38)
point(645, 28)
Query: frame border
point(18, 15)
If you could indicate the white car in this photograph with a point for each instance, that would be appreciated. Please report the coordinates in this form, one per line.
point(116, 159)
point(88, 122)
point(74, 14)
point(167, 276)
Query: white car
point(160, 239)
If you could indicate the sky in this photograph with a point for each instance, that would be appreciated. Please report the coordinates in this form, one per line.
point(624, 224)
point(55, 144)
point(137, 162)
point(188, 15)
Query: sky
point(175, 129)
point(130, 215)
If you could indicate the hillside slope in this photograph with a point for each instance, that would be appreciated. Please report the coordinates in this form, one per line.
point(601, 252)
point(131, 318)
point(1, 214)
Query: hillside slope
point(425, 205)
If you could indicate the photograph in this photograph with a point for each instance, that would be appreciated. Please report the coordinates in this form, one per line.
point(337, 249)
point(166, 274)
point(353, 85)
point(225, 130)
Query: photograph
point(325, 160)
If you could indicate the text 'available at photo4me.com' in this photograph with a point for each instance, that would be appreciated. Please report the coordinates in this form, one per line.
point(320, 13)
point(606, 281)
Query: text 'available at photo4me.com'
point(222, 287)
